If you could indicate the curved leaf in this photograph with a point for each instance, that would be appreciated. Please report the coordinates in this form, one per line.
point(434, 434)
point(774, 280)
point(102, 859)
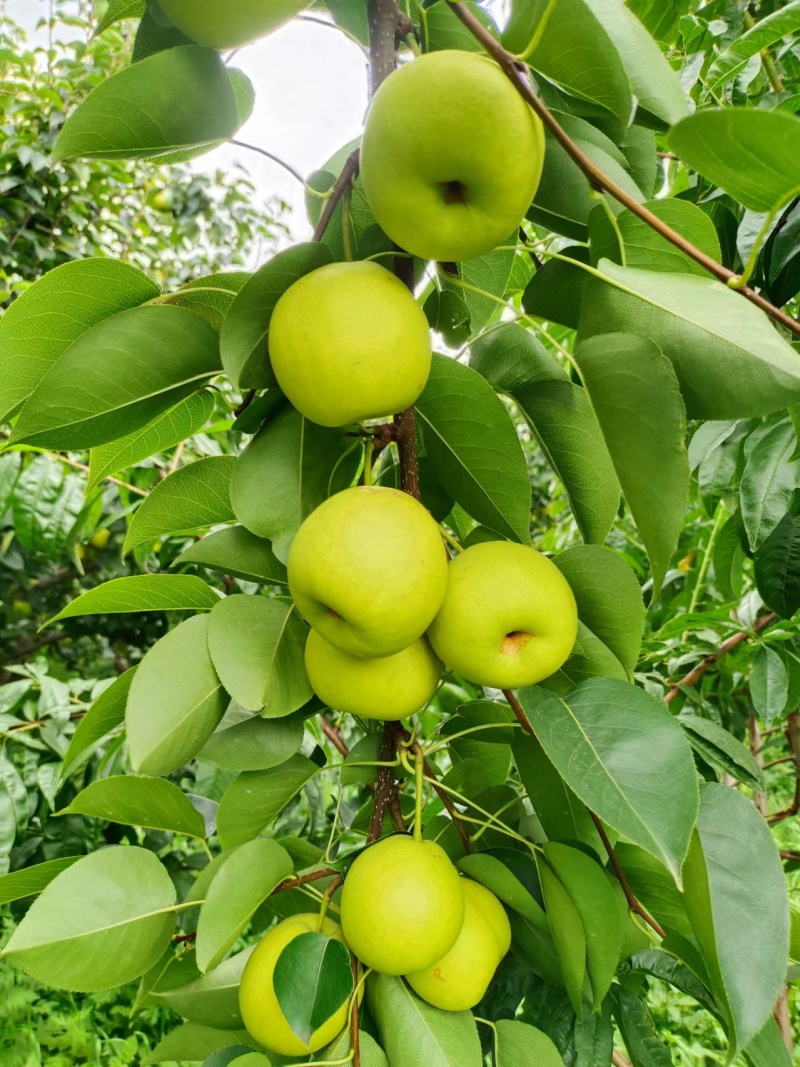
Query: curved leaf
point(255, 798)
point(105, 715)
point(135, 801)
point(142, 592)
point(246, 742)
point(99, 924)
point(313, 979)
point(212, 999)
point(237, 552)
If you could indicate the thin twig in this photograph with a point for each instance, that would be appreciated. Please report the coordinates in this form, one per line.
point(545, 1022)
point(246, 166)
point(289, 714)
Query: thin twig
point(83, 467)
point(630, 896)
point(696, 673)
point(519, 711)
point(269, 155)
point(334, 736)
point(517, 73)
point(347, 175)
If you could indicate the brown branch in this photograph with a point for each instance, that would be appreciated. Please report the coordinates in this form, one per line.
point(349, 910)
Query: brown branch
point(519, 711)
point(619, 1060)
point(775, 762)
point(245, 404)
point(23, 727)
point(630, 896)
point(304, 879)
point(355, 1036)
point(386, 794)
point(334, 736)
point(517, 73)
point(793, 856)
point(181, 938)
point(754, 741)
point(346, 177)
point(793, 737)
point(696, 673)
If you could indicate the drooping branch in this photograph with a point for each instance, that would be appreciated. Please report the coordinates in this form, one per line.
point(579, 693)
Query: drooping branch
point(517, 73)
point(630, 896)
point(696, 673)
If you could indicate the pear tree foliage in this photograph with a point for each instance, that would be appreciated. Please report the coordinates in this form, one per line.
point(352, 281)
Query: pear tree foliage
point(571, 243)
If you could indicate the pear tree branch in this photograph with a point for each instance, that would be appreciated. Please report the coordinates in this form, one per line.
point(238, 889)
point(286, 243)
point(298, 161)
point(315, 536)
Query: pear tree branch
point(347, 176)
point(517, 74)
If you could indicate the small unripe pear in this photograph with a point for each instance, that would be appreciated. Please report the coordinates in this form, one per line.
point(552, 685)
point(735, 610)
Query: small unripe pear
point(224, 24)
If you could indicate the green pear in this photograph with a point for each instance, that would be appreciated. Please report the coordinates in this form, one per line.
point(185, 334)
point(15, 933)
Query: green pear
point(368, 570)
point(229, 24)
point(402, 905)
point(508, 619)
point(349, 342)
point(258, 1003)
point(451, 156)
point(459, 980)
point(392, 687)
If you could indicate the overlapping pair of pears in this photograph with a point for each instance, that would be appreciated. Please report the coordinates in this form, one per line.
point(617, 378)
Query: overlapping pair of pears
point(406, 911)
point(369, 572)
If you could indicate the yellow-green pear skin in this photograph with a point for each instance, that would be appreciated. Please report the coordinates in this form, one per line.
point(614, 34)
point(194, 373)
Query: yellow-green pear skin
point(389, 688)
point(451, 156)
point(349, 342)
point(402, 905)
point(368, 570)
point(260, 1009)
point(508, 619)
point(224, 24)
point(459, 980)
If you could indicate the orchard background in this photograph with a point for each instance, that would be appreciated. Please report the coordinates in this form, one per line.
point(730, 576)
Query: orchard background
point(647, 423)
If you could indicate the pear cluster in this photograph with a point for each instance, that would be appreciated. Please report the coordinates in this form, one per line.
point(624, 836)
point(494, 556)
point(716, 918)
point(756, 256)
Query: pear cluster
point(369, 572)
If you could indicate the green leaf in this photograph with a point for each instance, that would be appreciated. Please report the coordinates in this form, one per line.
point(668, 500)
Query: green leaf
point(589, 890)
point(474, 449)
point(245, 881)
point(644, 247)
point(769, 683)
point(413, 1032)
point(178, 99)
point(564, 200)
point(654, 887)
point(562, 815)
point(193, 496)
point(255, 798)
point(660, 98)
point(286, 471)
point(667, 968)
point(194, 1042)
point(721, 749)
point(638, 1031)
point(763, 172)
point(175, 425)
point(568, 934)
point(661, 18)
point(490, 273)
point(212, 999)
point(608, 596)
point(312, 979)
point(245, 331)
point(635, 396)
point(767, 1048)
point(10, 465)
point(560, 416)
point(47, 501)
point(232, 1054)
point(372, 1055)
point(118, 10)
point(237, 552)
point(119, 376)
point(493, 873)
point(554, 292)
point(609, 740)
point(211, 297)
point(102, 922)
point(135, 801)
point(54, 312)
point(142, 592)
point(771, 474)
point(521, 1045)
point(777, 567)
point(573, 49)
point(245, 742)
point(728, 557)
point(30, 881)
point(106, 714)
point(733, 862)
point(590, 658)
point(767, 31)
point(176, 700)
point(729, 360)
point(257, 646)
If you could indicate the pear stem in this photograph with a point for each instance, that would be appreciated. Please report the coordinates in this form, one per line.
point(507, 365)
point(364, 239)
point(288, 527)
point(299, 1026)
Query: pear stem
point(419, 780)
point(450, 539)
point(517, 73)
point(326, 901)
